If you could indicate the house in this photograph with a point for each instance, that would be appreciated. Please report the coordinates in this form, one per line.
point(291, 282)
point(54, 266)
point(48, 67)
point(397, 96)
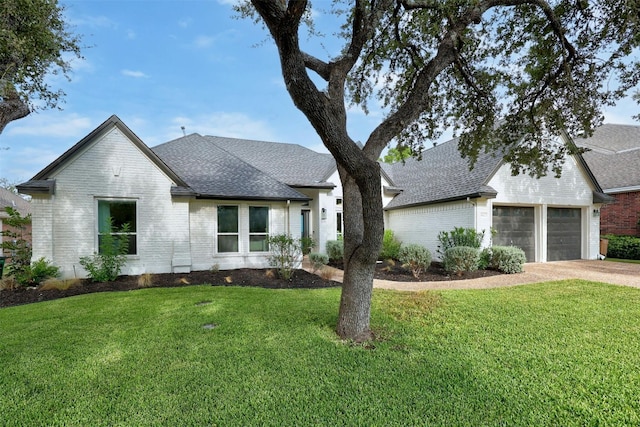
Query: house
point(23, 207)
point(614, 158)
point(203, 201)
point(191, 203)
point(549, 218)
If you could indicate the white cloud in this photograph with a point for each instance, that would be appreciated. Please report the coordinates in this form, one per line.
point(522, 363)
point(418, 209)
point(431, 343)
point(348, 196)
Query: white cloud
point(202, 42)
point(52, 126)
point(131, 34)
point(135, 74)
point(185, 22)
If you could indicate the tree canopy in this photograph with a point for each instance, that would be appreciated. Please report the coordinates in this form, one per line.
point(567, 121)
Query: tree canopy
point(34, 42)
point(508, 76)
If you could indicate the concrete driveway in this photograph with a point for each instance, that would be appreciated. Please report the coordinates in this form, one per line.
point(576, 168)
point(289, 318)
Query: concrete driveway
point(617, 273)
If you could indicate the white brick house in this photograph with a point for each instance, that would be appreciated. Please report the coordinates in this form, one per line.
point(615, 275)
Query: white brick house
point(200, 201)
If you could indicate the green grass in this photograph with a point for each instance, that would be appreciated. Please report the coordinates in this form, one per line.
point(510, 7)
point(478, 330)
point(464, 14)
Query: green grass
point(563, 353)
point(630, 261)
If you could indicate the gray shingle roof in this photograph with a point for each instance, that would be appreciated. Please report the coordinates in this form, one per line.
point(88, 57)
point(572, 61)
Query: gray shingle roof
point(614, 156)
point(213, 172)
point(292, 164)
point(441, 175)
point(8, 199)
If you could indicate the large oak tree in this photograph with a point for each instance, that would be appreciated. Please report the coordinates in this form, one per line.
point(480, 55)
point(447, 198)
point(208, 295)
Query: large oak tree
point(34, 40)
point(499, 72)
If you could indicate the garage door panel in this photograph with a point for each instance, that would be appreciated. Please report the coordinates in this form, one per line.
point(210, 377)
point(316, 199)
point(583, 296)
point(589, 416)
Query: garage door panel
point(515, 227)
point(564, 234)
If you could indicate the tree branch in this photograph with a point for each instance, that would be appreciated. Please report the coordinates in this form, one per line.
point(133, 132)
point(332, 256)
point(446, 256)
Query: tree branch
point(12, 107)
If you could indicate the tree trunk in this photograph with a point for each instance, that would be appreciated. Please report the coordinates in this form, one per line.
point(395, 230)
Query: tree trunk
point(363, 230)
point(12, 107)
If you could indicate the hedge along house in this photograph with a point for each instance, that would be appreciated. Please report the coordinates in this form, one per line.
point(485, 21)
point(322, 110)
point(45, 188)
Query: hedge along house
point(549, 218)
point(191, 203)
point(614, 158)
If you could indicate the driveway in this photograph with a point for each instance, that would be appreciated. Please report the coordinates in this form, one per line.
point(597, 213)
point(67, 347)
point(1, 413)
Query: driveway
point(616, 273)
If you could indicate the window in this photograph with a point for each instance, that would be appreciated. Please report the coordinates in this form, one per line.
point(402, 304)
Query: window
point(120, 212)
point(258, 228)
point(339, 224)
point(227, 229)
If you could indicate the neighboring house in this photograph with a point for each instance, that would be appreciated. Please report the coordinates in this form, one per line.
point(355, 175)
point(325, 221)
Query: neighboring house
point(9, 199)
point(200, 201)
point(614, 158)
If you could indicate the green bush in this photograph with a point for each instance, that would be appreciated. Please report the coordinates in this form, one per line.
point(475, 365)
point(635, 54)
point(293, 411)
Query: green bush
point(461, 259)
point(623, 247)
point(16, 246)
point(459, 236)
point(307, 244)
point(508, 259)
point(318, 260)
point(415, 257)
point(390, 246)
point(106, 265)
point(485, 259)
point(335, 250)
point(286, 253)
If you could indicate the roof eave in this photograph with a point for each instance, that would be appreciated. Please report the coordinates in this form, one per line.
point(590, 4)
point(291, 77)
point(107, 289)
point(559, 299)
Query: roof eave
point(35, 186)
point(477, 195)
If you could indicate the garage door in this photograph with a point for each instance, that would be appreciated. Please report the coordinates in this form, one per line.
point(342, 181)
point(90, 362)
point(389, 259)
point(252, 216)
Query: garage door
point(564, 234)
point(515, 227)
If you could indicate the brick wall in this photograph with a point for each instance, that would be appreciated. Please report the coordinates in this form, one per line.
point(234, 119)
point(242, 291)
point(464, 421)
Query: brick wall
point(621, 217)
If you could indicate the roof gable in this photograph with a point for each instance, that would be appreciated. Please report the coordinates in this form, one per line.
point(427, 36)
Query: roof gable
point(39, 180)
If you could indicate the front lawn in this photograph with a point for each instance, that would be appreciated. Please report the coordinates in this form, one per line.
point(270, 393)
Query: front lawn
point(563, 353)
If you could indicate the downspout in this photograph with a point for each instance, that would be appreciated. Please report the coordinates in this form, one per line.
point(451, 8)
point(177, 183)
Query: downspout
point(289, 217)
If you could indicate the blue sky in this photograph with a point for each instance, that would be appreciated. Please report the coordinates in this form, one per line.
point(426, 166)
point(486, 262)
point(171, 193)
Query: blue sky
point(163, 64)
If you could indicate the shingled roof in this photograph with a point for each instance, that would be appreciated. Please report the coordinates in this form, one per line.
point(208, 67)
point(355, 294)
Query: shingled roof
point(293, 164)
point(9, 199)
point(212, 172)
point(442, 175)
point(614, 156)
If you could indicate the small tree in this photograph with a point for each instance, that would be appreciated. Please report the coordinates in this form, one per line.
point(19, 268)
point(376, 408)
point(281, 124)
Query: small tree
point(106, 265)
point(16, 243)
point(286, 253)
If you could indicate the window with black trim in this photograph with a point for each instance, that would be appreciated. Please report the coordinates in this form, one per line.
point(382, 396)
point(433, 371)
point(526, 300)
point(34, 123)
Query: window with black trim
point(113, 215)
point(258, 228)
point(228, 229)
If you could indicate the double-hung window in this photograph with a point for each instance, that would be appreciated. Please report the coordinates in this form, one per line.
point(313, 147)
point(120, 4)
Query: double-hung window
point(113, 215)
point(228, 229)
point(258, 228)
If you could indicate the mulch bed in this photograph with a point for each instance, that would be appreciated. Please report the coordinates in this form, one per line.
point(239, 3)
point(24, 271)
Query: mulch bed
point(240, 277)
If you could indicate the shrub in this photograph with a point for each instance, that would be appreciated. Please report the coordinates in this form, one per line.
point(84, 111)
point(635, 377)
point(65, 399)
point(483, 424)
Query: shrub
point(326, 273)
point(307, 244)
point(461, 259)
point(415, 257)
point(459, 236)
point(286, 253)
point(335, 250)
point(485, 259)
point(508, 259)
point(390, 246)
point(145, 280)
point(41, 270)
point(318, 260)
point(17, 246)
point(623, 247)
point(106, 265)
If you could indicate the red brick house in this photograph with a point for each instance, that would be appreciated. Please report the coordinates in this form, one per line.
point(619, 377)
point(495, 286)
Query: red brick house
point(614, 159)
